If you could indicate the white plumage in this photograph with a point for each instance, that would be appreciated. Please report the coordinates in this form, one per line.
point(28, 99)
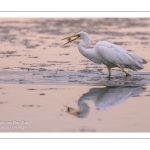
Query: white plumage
point(107, 53)
point(104, 98)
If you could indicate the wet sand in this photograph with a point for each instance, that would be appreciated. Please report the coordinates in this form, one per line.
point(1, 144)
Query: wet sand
point(44, 108)
point(48, 87)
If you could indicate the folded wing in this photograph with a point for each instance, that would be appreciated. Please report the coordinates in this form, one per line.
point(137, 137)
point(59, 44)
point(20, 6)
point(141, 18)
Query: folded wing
point(119, 56)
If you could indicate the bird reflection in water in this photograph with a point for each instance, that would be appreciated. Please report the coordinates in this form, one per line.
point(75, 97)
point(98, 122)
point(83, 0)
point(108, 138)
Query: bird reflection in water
point(104, 98)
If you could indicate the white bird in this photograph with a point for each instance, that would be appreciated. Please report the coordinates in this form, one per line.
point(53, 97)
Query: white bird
point(107, 53)
point(104, 98)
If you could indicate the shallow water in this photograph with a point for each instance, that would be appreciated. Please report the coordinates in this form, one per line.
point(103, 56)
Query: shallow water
point(48, 87)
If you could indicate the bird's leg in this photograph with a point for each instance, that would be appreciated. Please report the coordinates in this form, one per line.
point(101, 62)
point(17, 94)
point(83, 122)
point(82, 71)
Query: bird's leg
point(127, 74)
point(109, 71)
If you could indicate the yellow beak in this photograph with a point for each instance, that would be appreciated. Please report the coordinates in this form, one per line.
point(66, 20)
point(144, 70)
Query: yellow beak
point(76, 36)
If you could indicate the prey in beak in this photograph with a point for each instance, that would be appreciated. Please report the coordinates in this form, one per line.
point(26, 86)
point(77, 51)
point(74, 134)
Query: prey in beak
point(71, 38)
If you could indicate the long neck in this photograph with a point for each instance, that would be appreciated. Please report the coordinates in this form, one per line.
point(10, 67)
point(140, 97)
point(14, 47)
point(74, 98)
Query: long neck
point(83, 45)
point(84, 109)
point(86, 41)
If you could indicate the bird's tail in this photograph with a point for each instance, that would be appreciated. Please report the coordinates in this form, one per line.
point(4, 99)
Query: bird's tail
point(138, 62)
point(138, 58)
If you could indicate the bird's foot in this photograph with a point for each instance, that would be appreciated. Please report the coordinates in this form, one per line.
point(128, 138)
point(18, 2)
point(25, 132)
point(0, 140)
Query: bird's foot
point(109, 77)
point(128, 75)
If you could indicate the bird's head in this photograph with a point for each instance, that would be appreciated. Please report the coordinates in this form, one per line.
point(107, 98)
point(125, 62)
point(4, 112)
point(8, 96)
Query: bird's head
point(76, 36)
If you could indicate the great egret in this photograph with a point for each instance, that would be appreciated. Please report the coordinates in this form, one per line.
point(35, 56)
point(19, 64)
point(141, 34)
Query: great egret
point(107, 53)
point(104, 98)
